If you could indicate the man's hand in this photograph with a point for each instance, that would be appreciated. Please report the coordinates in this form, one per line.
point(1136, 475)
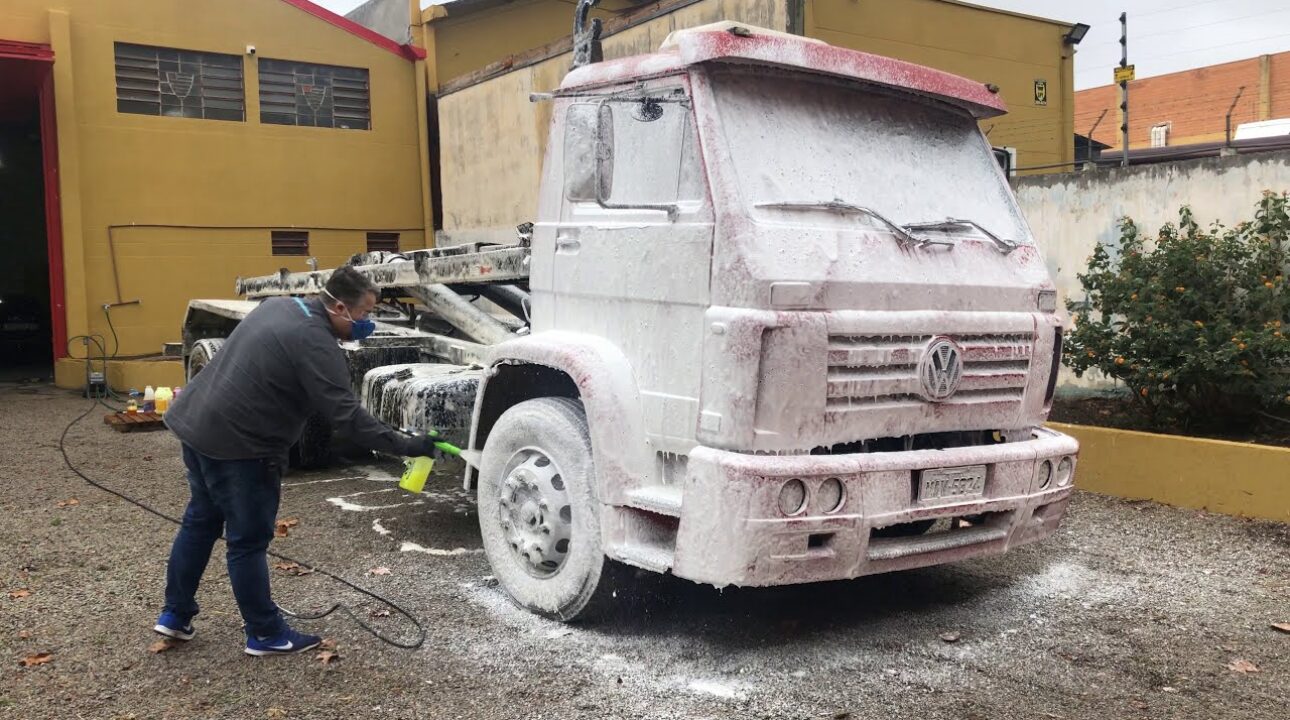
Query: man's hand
point(424, 445)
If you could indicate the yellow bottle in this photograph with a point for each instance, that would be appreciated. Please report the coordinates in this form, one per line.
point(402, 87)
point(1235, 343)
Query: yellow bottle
point(162, 399)
point(415, 474)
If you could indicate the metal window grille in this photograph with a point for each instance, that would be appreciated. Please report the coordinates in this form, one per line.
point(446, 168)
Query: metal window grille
point(179, 83)
point(382, 242)
point(295, 93)
point(290, 242)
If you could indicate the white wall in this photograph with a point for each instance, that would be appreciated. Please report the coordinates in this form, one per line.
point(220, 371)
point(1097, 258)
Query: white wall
point(1071, 212)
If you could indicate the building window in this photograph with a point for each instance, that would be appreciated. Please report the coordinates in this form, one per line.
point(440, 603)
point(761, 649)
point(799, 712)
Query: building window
point(1160, 135)
point(290, 242)
point(179, 83)
point(382, 242)
point(293, 93)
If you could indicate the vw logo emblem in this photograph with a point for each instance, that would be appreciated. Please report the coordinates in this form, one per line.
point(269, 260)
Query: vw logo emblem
point(941, 369)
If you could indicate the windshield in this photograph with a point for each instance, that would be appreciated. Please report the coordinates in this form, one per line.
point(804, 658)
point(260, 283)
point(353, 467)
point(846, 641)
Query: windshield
point(798, 141)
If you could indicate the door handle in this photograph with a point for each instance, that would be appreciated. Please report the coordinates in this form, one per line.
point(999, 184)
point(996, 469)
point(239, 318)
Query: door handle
point(567, 245)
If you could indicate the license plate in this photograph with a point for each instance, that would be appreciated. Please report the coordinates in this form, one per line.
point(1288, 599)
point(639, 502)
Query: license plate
point(951, 483)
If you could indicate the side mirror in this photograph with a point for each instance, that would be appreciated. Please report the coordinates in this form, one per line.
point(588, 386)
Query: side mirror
point(589, 152)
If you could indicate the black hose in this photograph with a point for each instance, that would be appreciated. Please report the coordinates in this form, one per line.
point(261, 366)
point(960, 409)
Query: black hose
point(421, 631)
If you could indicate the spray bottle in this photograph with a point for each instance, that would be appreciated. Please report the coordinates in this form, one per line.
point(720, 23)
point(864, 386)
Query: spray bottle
point(416, 470)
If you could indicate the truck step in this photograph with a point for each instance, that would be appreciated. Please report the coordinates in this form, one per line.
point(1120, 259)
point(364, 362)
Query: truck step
point(661, 499)
point(643, 556)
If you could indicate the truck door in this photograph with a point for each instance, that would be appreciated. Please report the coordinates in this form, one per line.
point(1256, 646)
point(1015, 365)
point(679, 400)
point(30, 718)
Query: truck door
point(634, 243)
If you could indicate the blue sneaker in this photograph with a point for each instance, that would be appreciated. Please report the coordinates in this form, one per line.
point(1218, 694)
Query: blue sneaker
point(284, 643)
point(171, 626)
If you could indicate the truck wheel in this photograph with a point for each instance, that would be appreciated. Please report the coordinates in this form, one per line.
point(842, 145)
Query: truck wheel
point(202, 354)
point(539, 513)
point(313, 449)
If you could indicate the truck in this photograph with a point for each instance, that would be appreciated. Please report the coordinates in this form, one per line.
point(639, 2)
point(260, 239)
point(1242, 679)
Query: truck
point(779, 320)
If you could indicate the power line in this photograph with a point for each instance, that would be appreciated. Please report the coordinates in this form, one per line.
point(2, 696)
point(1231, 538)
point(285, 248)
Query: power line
point(1082, 48)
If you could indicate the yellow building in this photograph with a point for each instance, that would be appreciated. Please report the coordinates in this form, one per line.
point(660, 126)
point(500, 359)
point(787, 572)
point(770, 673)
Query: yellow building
point(182, 143)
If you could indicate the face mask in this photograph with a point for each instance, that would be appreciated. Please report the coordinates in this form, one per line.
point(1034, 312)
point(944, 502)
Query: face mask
point(358, 329)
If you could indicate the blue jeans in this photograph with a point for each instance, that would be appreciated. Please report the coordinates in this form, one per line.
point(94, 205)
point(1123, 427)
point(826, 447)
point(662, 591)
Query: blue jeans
point(240, 498)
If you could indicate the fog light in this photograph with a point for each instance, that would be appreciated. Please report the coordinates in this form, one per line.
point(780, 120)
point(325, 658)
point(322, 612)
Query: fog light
point(830, 496)
point(792, 497)
point(1045, 474)
point(1064, 472)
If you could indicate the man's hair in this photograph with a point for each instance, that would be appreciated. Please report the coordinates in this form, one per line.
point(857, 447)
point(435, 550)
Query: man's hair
point(349, 286)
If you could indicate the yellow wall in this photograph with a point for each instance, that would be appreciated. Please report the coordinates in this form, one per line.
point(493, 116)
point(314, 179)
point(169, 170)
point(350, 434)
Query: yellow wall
point(1008, 50)
point(466, 42)
point(122, 169)
point(492, 139)
point(1214, 475)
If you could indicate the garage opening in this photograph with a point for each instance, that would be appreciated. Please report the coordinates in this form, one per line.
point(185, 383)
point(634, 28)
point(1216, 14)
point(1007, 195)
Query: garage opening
point(27, 327)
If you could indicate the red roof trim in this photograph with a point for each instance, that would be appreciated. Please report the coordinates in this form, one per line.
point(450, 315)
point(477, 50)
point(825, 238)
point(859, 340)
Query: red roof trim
point(15, 50)
point(717, 43)
point(408, 52)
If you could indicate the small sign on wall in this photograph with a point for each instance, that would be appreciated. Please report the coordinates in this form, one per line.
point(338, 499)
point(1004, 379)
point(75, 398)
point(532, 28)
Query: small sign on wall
point(1041, 92)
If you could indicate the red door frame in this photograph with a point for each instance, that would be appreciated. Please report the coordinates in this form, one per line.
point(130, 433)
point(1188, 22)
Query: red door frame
point(44, 54)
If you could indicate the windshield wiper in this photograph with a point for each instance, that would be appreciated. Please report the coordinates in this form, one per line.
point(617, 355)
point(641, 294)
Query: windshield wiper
point(842, 206)
point(1003, 246)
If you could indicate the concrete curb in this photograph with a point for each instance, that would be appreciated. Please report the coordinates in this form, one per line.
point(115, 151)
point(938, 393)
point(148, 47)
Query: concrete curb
point(1216, 475)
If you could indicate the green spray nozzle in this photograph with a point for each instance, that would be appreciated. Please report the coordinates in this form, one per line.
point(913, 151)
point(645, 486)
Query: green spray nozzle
point(447, 447)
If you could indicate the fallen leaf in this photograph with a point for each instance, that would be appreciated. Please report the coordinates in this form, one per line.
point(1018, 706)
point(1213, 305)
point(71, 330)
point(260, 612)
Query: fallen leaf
point(281, 528)
point(292, 568)
point(1242, 666)
point(37, 659)
point(327, 644)
point(379, 571)
point(160, 646)
point(1283, 627)
point(1169, 689)
point(327, 657)
point(19, 593)
point(69, 502)
point(24, 634)
point(275, 713)
point(379, 613)
point(950, 637)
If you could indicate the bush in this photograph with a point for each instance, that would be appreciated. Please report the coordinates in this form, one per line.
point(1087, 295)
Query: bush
point(1193, 321)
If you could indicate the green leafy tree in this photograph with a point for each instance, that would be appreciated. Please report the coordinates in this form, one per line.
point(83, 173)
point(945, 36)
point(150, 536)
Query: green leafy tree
point(1194, 320)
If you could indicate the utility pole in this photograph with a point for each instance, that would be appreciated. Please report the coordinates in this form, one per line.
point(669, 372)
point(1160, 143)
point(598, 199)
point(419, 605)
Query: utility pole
point(1124, 88)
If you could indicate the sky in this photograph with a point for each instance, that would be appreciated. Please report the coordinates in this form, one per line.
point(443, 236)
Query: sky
point(1164, 35)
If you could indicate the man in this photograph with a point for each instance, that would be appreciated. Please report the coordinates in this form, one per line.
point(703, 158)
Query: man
point(236, 420)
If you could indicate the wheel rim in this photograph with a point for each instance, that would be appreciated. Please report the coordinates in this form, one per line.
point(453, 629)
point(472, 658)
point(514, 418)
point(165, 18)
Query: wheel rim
point(535, 513)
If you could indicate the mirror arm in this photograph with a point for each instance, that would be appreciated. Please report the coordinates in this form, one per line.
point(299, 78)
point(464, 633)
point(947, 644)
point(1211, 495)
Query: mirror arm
point(673, 210)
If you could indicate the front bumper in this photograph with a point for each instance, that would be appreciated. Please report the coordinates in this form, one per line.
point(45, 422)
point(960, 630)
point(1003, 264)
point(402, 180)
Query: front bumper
point(732, 531)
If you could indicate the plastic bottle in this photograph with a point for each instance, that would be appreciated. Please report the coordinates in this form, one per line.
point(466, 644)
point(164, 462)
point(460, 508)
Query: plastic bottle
point(415, 474)
point(163, 397)
point(149, 399)
point(132, 407)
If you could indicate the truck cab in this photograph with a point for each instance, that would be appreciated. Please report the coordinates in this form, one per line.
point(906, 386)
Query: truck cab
point(788, 325)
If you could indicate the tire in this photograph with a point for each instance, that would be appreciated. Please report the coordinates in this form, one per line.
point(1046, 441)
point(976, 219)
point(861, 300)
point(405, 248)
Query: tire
point(313, 450)
point(540, 452)
point(202, 354)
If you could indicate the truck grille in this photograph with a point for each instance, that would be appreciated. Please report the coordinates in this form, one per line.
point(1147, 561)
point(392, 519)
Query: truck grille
point(867, 371)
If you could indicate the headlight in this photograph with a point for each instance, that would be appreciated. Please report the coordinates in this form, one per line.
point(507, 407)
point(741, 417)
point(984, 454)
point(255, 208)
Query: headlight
point(1045, 474)
point(1064, 469)
point(792, 497)
point(830, 496)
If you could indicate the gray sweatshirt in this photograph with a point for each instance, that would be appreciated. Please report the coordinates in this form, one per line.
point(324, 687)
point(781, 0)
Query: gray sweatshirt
point(280, 365)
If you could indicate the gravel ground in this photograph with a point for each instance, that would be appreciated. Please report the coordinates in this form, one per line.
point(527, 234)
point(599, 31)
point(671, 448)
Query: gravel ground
point(1133, 610)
